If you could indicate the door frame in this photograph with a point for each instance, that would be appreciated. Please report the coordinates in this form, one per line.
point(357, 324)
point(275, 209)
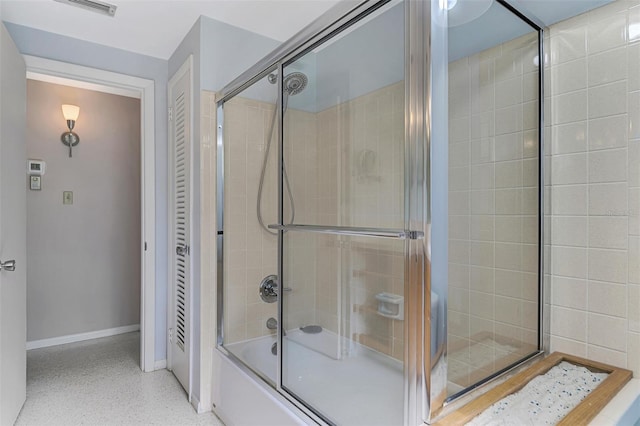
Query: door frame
point(121, 84)
point(185, 68)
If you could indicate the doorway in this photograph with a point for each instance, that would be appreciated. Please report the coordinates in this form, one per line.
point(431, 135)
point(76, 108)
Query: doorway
point(43, 70)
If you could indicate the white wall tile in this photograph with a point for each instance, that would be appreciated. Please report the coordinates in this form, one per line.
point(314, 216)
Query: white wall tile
point(601, 70)
point(569, 108)
point(608, 298)
point(607, 33)
point(569, 200)
point(569, 292)
point(608, 232)
point(633, 353)
point(568, 44)
point(508, 229)
point(607, 356)
point(634, 260)
point(509, 147)
point(569, 169)
point(608, 199)
point(569, 262)
point(634, 115)
point(609, 99)
point(633, 153)
point(482, 176)
point(508, 174)
point(570, 138)
point(569, 231)
point(558, 344)
point(608, 132)
point(569, 76)
point(608, 265)
point(633, 61)
point(508, 92)
point(608, 166)
point(633, 307)
point(606, 331)
point(569, 323)
point(508, 120)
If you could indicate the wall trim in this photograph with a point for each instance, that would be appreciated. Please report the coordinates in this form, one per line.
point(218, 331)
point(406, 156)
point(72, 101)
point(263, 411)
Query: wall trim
point(160, 364)
point(127, 85)
point(71, 338)
point(195, 403)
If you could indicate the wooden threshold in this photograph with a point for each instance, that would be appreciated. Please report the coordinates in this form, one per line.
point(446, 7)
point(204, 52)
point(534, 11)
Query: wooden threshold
point(583, 413)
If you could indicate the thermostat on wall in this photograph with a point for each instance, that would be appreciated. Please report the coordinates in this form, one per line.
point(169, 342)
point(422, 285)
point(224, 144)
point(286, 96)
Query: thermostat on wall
point(35, 167)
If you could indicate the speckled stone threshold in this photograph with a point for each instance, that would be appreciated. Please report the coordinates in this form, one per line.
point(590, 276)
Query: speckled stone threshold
point(582, 388)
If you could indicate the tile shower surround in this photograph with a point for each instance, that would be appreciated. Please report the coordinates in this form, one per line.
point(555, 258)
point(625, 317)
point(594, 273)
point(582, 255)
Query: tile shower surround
point(493, 207)
point(592, 216)
point(592, 197)
point(323, 154)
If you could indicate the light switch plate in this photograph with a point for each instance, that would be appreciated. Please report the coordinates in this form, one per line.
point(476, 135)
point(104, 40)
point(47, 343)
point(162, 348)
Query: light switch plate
point(67, 197)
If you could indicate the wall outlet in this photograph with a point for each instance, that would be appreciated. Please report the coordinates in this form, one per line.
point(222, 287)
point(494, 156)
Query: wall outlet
point(67, 197)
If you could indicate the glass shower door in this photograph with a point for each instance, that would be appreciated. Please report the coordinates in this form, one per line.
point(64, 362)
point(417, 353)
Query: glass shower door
point(343, 232)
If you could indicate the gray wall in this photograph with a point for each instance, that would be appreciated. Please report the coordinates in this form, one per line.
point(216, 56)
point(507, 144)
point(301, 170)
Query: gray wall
point(83, 273)
point(66, 49)
point(216, 61)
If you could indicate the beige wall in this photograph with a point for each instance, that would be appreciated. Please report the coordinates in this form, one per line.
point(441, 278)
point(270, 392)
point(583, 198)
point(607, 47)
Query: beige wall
point(493, 207)
point(593, 204)
point(84, 259)
point(334, 280)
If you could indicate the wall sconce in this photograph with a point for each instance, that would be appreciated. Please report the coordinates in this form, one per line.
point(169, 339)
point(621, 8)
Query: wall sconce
point(69, 138)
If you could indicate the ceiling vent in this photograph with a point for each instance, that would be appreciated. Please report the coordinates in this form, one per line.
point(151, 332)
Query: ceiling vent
point(93, 5)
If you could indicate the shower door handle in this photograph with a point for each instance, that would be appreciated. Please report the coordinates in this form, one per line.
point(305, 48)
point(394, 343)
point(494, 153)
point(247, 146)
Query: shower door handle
point(401, 234)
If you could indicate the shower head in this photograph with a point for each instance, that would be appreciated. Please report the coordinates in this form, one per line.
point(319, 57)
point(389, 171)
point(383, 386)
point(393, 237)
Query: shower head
point(295, 83)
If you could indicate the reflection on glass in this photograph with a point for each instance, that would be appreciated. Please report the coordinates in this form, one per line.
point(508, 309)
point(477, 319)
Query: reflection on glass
point(344, 154)
point(493, 196)
point(250, 251)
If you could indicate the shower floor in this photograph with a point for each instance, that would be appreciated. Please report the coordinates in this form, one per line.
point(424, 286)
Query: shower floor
point(363, 388)
point(480, 357)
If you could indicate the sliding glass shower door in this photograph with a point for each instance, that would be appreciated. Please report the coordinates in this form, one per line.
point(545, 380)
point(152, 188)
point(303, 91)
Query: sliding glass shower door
point(380, 182)
point(344, 238)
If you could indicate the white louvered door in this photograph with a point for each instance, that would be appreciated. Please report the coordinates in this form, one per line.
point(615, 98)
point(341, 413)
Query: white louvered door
point(180, 141)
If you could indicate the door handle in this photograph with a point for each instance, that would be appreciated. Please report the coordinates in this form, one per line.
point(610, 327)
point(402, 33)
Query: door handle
point(182, 250)
point(9, 265)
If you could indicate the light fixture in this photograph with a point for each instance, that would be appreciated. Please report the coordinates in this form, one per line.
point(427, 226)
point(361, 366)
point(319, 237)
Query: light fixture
point(69, 138)
point(464, 11)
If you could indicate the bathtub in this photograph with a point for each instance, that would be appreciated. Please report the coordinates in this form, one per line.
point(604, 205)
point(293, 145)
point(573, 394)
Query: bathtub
point(352, 384)
point(623, 409)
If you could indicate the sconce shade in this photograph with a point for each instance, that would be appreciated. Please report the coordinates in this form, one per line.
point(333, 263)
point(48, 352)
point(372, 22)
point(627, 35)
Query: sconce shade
point(70, 112)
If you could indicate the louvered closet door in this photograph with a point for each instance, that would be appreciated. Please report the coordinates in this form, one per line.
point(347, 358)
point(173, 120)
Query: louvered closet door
point(180, 131)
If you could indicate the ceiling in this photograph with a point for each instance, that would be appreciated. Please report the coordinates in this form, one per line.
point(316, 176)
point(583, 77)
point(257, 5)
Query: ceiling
point(156, 27)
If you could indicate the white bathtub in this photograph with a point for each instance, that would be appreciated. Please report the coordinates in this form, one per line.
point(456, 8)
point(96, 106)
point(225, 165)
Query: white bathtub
point(349, 383)
point(623, 409)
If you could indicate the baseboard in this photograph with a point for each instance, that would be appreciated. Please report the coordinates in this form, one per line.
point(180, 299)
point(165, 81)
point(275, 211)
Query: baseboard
point(160, 364)
point(195, 403)
point(71, 338)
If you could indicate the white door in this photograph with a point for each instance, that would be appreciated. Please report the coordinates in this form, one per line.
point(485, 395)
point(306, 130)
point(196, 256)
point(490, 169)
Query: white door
point(180, 211)
point(13, 235)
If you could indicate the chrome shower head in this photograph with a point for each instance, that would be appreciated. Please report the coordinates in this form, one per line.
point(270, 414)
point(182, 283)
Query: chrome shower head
point(295, 83)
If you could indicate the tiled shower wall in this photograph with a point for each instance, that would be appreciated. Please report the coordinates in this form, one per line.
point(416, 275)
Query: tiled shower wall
point(345, 166)
point(493, 209)
point(251, 252)
point(361, 149)
point(593, 206)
